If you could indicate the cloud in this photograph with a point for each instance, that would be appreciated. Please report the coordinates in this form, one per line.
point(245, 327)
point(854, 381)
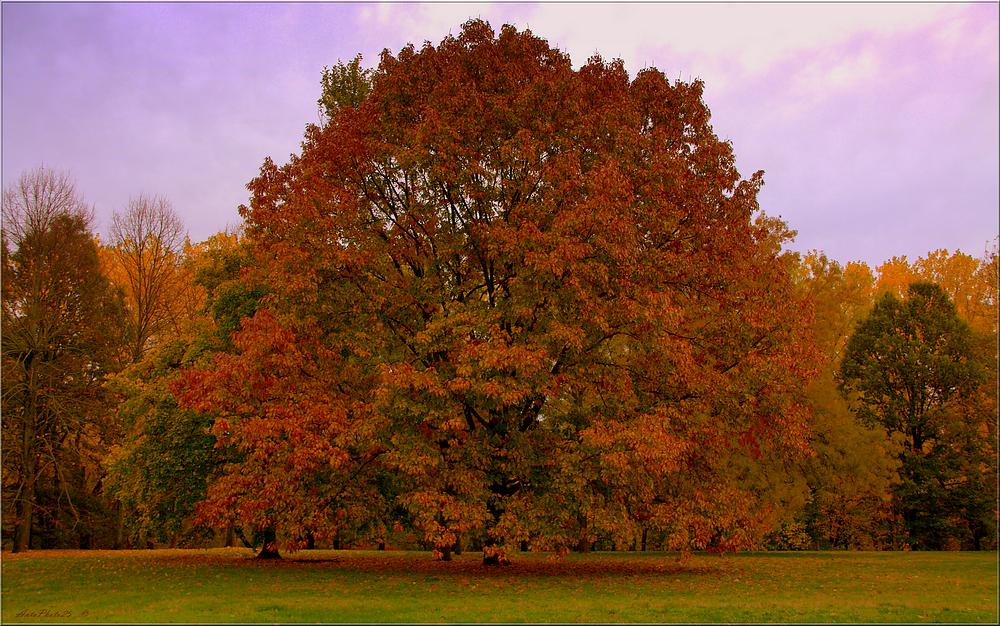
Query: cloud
point(722, 42)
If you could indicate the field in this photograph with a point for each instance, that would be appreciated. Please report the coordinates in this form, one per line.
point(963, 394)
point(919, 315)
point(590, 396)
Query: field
point(226, 585)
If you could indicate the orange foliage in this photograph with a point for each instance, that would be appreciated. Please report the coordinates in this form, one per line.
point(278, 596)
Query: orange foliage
point(971, 283)
point(164, 309)
point(542, 299)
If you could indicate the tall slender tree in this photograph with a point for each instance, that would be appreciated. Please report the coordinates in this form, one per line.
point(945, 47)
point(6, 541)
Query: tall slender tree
point(850, 477)
point(147, 240)
point(60, 317)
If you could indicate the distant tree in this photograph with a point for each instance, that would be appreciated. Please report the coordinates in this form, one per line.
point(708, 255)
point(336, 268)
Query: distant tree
point(221, 261)
point(912, 367)
point(147, 241)
point(895, 276)
point(160, 470)
point(167, 455)
point(907, 361)
point(543, 296)
point(971, 284)
point(60, 322)
point(850, 477)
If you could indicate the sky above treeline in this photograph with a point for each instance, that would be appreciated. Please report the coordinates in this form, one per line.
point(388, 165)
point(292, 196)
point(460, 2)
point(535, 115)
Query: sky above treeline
point(877, 125)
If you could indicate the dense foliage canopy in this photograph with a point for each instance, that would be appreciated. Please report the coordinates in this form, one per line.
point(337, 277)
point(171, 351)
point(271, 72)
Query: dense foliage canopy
point(913, 366)
point(60, 316)
point(542, 298)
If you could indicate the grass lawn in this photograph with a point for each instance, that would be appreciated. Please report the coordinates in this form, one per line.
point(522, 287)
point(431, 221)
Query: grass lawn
point(226, 585)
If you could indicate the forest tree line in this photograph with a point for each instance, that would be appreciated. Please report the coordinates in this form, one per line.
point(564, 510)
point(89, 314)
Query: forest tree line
point(496, 303)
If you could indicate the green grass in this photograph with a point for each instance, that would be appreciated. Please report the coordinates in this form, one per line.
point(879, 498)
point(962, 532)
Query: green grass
point(348, 586)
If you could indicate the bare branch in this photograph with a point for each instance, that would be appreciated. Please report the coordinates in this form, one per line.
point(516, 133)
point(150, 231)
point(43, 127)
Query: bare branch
point(147, 241)
point(36, 200)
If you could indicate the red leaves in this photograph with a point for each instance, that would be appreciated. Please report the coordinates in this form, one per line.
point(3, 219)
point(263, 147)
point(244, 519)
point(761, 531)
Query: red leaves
point(279, 410)
point(539, 290)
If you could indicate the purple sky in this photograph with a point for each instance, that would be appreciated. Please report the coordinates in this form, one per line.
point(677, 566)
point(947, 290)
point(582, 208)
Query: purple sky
point(878, 126)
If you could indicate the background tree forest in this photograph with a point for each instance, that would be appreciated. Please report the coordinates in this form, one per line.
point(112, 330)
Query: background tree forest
point(495, 304)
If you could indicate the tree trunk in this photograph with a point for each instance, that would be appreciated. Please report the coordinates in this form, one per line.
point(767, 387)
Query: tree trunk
point(230, 537)
point(583, 543)
point(381, 545)
point(495, 559)
point(26, 501)
point(457, 548)
point(119, 527)
point(446, 553)
point(269, 549)
point(25, 509)
point(310, 541)
point(644, 531)
point(491, 553)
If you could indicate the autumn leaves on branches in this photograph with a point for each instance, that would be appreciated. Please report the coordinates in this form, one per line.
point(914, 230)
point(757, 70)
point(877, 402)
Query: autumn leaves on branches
point(512, 300)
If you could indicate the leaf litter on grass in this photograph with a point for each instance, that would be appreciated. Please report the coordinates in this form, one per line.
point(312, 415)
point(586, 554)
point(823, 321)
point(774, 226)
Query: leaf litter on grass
point(398, 586)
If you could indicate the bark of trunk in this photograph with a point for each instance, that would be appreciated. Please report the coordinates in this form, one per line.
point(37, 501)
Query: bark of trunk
point(492, 554)
point(495, 559)
point(119, 527)
point(269, 549)
point(446, 553)
point(583, 543)
point(230, 537)
point(25, 509)
point(457, 548)
point(26, 502)
point(644, 531)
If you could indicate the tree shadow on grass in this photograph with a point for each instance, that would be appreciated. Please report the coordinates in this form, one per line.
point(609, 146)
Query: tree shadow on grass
point(533, 565)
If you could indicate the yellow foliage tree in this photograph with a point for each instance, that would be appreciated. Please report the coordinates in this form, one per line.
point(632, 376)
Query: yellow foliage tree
point(146, 259)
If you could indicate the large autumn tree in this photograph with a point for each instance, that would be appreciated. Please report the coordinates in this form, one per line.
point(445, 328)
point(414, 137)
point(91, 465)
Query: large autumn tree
point(542, 298)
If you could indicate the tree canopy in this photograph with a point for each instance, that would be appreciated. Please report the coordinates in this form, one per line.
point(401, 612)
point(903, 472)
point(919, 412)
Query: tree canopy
point(543, 298)
point(59, 338)
point(907, 361)
point(915, 368)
